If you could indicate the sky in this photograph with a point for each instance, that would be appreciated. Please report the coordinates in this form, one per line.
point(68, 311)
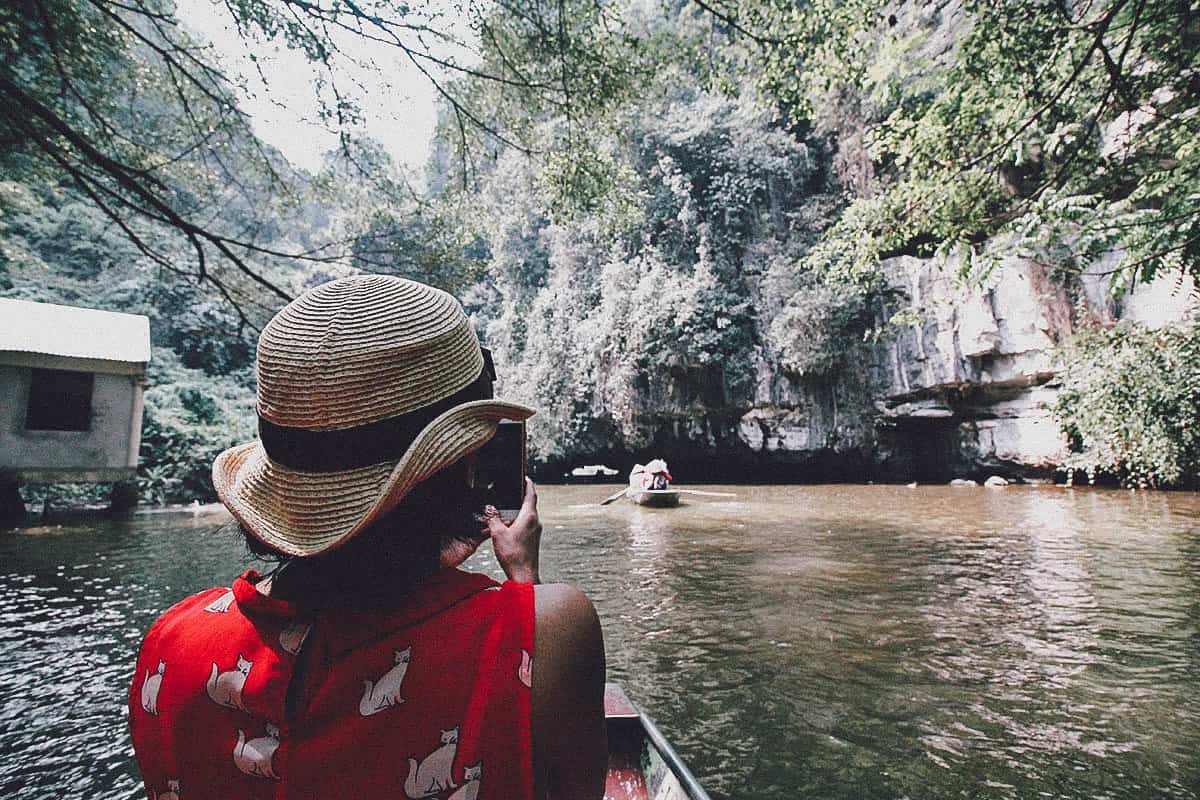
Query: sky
point(398, 102)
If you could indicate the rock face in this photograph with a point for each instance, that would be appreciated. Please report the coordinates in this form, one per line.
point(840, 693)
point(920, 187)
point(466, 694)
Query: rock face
point(978, 362)
point(963, 385)
point(958, 387)
point(981, 362)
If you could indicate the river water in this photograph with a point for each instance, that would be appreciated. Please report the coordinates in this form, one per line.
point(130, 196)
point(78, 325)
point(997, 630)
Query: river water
point(794, 642)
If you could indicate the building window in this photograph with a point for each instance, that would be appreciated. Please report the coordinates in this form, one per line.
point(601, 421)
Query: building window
point(59, 401)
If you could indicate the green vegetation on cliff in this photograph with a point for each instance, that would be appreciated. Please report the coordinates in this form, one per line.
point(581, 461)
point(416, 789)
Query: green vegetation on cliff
point(1130, 404)
point(718, 239)
point(1072, 126)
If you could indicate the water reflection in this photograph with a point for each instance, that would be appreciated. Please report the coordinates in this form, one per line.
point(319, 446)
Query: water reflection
point(825, 642)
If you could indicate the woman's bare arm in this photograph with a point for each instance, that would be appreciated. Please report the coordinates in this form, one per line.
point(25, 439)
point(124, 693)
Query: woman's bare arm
point(570, 745)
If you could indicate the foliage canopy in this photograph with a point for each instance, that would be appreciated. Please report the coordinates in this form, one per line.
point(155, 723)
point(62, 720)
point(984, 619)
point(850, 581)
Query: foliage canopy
point(1074, 126)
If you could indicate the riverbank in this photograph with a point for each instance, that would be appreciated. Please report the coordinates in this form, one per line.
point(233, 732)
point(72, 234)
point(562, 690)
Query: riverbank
point(66, 513)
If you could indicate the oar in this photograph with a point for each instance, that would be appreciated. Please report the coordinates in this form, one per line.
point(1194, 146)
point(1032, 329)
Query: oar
point(709, 494)
point(619, 494)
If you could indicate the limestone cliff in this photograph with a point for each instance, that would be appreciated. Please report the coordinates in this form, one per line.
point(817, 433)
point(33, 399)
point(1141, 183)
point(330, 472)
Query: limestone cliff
point(963, 388)
point(959, 387)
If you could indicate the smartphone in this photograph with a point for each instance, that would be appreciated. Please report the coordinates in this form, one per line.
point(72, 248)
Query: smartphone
point(500, 469)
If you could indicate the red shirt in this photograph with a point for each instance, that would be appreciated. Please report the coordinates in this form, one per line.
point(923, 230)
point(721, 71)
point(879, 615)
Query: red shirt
point(428, 700)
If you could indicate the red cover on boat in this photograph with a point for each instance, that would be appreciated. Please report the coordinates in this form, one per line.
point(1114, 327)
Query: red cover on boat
point(430, 700)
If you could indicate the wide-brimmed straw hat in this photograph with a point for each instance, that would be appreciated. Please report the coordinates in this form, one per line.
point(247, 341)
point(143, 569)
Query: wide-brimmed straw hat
point(366, 386)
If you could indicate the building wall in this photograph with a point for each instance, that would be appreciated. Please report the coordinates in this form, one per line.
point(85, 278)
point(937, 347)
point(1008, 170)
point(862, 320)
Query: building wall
point(107, 452)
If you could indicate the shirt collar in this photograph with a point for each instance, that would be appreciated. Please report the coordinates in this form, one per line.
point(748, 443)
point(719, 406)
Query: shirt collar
point(351, 628)
point(253, 602)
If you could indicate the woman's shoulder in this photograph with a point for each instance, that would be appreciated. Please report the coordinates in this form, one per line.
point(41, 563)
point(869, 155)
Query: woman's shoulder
point(568, 631)
point(561, 604)
point(215, 600)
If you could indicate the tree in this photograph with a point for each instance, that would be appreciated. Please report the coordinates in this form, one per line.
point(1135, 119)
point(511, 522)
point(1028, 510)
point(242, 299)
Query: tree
point(115, 99)
point(1071, 127)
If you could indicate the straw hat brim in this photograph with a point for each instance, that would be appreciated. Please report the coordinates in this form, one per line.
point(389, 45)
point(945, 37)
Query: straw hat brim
point(305, 513)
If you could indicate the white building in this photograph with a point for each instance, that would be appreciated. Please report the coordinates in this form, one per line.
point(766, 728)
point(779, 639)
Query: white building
point(70, 393)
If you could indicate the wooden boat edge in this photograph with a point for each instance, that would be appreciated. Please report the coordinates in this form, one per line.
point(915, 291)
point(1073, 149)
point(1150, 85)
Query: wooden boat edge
point(621, 713)
point(660, 498)
point(676, 764)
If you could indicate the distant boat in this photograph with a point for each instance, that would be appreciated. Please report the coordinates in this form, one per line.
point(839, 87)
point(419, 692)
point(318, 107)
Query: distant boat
point(641, 763)
point(658, 498)
point(590, 473)
point(650, 485)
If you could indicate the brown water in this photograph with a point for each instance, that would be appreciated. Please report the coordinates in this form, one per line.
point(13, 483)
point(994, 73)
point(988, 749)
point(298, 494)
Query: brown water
point(797, 642)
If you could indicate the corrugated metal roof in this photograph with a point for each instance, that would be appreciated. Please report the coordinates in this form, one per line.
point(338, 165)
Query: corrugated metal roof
point(73, 332)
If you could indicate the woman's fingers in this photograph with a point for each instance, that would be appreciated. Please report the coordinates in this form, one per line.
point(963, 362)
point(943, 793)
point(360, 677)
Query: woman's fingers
point(526, 516)
point(529, 503)
point(494, 525)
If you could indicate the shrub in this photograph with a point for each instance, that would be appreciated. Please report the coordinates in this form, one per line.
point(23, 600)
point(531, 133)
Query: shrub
point(189, 418)
point(818, 328)
point(1130, 404)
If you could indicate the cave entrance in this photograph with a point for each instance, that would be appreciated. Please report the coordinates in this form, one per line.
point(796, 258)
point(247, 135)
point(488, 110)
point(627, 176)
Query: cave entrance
point(922, 449)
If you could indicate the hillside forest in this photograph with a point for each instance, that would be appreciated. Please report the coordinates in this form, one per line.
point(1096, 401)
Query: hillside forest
point(668, 219)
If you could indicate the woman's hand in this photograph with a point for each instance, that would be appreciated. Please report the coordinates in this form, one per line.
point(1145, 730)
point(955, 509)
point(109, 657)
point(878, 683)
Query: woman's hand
point(518, 543)
point(458, 549)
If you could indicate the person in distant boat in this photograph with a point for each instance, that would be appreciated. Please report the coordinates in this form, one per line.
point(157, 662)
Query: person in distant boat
point(366, 664)
point(660, 478)
point(653, 475)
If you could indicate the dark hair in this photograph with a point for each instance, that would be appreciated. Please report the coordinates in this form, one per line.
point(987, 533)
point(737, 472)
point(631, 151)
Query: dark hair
point(381, 562)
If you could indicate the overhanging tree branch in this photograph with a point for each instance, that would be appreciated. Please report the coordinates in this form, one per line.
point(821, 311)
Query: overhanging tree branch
point(124, 177)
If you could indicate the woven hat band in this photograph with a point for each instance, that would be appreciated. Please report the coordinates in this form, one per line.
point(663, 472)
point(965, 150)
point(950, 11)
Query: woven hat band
point(374, 443)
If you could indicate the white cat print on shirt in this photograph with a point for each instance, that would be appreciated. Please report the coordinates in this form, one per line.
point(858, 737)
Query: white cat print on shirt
point(386, 693)
point(432, 775)
point(292, 637)
point(254, 757)
point(221, 604)
point(150, 687)
point(472, 775)
point(172, 792)
point(225, 688)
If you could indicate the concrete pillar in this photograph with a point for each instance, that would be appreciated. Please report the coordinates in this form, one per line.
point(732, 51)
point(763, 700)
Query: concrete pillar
point(12, 507)
point(123, 497)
